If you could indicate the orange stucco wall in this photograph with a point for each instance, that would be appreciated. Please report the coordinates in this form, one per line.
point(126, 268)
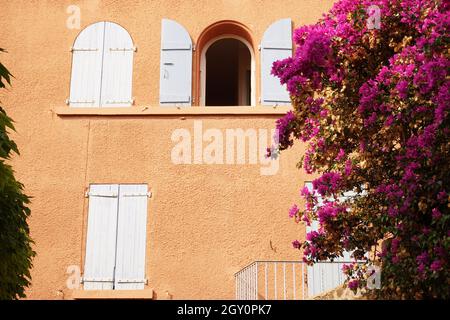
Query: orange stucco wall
point(205, 222)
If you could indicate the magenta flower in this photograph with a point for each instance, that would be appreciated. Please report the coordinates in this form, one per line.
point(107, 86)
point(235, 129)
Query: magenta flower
point(394, 245)
point(353, 285)
point(436, 265)
point(327, 183)
point(340, 155)
point(305, 192)
point(293, 211)
point(296, 244)
point(348, 168)
point(311, 236)
point(347, 267)
point(395, 259)
point(421, 268)
point(402, 88)
point(306, 219)
point(436, 214)
point(442, 196)
point(423, 258)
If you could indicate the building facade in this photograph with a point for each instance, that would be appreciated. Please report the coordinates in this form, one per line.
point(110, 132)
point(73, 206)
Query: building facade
point(142, 127)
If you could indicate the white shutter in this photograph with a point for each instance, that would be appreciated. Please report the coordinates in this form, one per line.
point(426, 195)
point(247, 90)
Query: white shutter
point(101, 237)
point(276, 45)
point(176, 65)
point(131, 237)
point(117, 67)
point(87, 55)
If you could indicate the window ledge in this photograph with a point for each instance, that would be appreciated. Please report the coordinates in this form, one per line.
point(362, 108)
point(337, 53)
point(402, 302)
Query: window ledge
point(112, 294)
point(174, 111)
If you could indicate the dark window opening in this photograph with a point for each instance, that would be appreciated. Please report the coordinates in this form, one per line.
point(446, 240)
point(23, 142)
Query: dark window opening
point(228, 75)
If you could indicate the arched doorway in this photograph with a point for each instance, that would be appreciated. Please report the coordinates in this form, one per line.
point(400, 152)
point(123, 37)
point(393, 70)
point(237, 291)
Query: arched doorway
point(225, 66)
point(227, 73)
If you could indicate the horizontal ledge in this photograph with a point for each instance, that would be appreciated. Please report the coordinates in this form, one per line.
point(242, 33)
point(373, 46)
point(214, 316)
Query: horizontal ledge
point(168, 111)
point(112, 294)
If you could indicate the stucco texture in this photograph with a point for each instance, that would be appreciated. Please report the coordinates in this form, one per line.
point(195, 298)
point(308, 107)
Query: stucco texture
point(205, 222)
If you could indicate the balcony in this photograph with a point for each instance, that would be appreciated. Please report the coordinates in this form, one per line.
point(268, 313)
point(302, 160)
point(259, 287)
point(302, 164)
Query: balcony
point(287, 280)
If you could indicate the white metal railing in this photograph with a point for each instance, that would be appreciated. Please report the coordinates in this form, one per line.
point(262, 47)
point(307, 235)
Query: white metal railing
point(287, 280)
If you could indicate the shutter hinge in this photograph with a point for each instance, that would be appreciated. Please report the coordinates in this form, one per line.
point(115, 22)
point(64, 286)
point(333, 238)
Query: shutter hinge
point(89, 102)
point(193, 47)
point(103, 195)
point(72, 49)
point(147, 194)
point(259, 100)
point(119, 102)
point(259, 47)
point(123, 49)
point(83, 280)
point(144, 281)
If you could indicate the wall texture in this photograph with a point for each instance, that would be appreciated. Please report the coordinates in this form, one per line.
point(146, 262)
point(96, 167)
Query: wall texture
point(205, 222)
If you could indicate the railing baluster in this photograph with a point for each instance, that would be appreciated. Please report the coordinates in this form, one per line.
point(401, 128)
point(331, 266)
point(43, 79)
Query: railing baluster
point(284, 280)
point(248, 285)
point(303, 281)
point(236, 288)
point(240, 286)
point(293, 280)
point(322, 287)
point(319, 278)
point(252, 283)
point(266, 282)
point(256, 281)
point(275, 280)
point(245, 286)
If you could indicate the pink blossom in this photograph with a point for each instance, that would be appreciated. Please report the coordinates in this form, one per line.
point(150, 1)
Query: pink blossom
point(436, 214)
point(293, 211)
point(296, 244)
point(353, 285)
point(436, 265)
point(340, 154)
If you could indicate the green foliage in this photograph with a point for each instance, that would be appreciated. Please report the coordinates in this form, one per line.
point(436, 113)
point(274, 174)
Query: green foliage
point(15, 243)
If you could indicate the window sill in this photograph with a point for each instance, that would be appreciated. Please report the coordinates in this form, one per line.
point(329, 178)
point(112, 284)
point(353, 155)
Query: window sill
point(172, 111)
point(112, 294)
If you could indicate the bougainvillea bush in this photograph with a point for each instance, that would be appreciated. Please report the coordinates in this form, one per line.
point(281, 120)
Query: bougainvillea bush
point(371, 100)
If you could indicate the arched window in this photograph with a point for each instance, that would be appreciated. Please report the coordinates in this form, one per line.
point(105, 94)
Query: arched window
point(226, 66)
point(226, 72)
point(102, 67)
point(223, 71)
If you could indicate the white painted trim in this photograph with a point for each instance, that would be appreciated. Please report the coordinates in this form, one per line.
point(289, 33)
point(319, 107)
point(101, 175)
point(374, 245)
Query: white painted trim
point(203, 67)
point(155, 111)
